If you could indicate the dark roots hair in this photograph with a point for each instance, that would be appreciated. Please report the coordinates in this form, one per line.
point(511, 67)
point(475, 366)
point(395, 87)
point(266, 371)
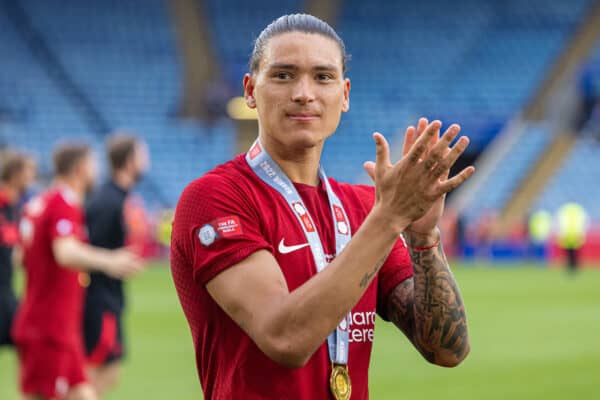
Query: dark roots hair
point(12, 163)
point(295, 23)
point(120, 148)
point(67, 156)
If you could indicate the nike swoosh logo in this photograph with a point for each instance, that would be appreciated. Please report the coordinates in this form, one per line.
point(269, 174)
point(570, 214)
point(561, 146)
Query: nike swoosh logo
point(283, 249)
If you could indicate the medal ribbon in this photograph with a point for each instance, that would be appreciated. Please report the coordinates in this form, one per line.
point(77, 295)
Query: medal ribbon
point(267, 169)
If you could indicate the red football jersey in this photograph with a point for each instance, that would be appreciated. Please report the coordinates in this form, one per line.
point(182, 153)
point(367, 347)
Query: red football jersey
point(52, 305)
point(220, 220)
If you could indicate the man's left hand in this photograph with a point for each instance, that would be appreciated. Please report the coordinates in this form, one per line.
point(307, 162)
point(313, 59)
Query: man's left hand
point(427, 224)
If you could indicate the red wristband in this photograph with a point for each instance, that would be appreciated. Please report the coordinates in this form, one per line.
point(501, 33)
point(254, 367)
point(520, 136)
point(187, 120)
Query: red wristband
point(420, 249)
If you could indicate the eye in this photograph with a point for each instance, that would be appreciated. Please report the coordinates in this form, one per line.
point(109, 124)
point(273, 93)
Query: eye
point(282, 75)
point(324, 77)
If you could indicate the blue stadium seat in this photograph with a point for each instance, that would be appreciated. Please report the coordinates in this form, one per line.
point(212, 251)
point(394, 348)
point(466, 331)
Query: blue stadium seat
point(577, 180)
point(473, 62)
point(122, 54)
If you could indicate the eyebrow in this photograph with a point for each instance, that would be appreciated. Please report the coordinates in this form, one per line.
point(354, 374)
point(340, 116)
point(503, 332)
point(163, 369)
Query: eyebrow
point(294, 67)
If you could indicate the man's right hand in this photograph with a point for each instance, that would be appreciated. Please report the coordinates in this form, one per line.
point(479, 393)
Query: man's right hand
point(407, 189)
point(124, 264)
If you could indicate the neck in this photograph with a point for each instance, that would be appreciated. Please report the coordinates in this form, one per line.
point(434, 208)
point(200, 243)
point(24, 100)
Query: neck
point(122, 180)
point(11, 193)
point(75, 185)
point(300, 164)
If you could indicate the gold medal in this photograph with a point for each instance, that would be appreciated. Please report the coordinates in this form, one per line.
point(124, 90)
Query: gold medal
point(339, 382)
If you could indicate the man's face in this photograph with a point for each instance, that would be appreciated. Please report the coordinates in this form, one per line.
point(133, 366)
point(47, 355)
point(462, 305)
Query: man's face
point(299, 90)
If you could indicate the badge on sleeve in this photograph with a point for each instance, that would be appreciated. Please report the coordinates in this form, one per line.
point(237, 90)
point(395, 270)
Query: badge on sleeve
point(219, 228)
point(64, 227)
point(207, 235)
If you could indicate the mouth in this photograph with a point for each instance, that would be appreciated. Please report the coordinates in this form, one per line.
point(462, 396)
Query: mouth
point(303, 117)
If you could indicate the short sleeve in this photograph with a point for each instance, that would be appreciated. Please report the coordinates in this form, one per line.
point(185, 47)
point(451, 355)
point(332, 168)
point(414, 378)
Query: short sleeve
point(63, 221)
point(215, 227)
point(396, 269)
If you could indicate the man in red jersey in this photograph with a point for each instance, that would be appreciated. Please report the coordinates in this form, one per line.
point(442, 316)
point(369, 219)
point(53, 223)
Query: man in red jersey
point(280, 271)
point(47, 329)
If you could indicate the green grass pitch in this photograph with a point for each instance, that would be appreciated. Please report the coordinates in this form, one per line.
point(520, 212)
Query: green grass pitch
point(535, 334)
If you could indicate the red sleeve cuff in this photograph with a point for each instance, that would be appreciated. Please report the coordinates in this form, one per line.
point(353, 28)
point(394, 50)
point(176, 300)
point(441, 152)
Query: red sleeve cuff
point(227, 259)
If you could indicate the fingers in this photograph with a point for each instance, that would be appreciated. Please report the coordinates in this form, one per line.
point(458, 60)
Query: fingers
point(421, 125)
point(369, 167)
point(434, 138)
point(457, 180)
point(127, 263)
point(437, 153)
point(422, 143)
point(409, 139)
point(382, 151)
point(132, 269)
point(412, 134)
point(453, 155)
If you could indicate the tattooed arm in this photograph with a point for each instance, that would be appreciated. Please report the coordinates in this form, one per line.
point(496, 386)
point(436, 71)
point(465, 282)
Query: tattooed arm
point(428, 308)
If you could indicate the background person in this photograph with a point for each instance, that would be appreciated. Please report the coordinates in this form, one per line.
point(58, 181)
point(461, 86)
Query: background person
point(17, 173)
point(56, 258)
point(105, 298)
point(572, 231)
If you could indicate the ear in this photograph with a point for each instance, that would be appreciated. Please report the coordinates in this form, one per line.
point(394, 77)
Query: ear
point(346, 103)
point(249, 91)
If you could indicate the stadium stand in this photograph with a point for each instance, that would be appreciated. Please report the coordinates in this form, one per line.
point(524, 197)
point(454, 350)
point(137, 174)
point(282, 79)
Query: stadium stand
point(122, 56)
point(512, 170)
point(235, 24)
point(444, 70)
point(577, 180)
point(578, 177)
point(36, 109)
point(441, 71)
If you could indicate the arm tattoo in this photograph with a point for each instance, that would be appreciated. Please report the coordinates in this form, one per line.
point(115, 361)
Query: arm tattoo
point(364, 281)
point(428, 308)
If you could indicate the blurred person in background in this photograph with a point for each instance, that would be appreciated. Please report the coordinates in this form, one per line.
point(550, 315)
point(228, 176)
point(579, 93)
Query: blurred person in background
point(56, 257)
point(572, 226)
point(17, 173)
point(105, 298)
point(276, 309)
point(539, 229)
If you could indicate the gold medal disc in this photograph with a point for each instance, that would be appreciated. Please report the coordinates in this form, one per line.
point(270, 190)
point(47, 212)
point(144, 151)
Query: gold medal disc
point(339, 382)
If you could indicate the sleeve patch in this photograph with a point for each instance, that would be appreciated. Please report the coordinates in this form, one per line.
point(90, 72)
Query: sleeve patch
point(219, 228)
point(64, 227)
point(228, 226)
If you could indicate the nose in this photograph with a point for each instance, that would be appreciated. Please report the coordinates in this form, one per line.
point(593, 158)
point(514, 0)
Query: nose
point(303, 91)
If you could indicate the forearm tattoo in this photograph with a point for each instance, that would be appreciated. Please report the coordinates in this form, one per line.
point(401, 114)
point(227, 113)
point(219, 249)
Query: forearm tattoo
point(364, 281)
point(428, 308)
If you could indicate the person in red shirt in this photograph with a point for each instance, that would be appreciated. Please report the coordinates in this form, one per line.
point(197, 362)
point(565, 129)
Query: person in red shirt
point(56, 257)
point(280, 270)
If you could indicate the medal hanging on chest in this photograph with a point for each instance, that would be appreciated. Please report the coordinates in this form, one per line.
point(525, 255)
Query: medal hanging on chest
point(269, 172)
point(339, 382)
